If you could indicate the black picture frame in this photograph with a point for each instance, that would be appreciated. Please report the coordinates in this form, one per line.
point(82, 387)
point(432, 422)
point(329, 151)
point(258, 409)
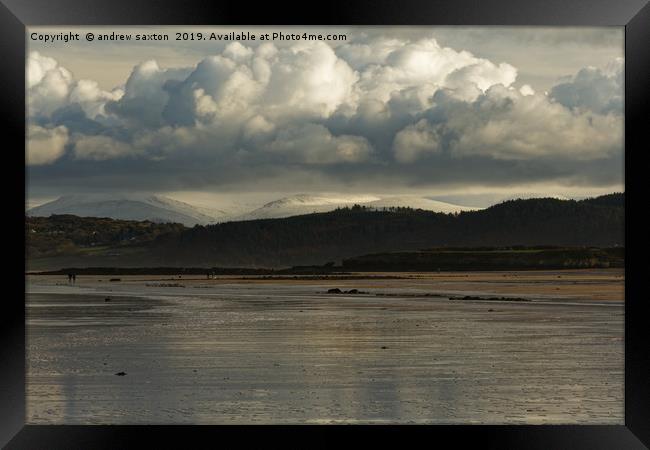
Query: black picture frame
point(634, 15)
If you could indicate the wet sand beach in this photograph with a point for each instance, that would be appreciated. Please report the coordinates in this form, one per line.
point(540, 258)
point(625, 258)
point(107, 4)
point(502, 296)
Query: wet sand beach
point(239, 350)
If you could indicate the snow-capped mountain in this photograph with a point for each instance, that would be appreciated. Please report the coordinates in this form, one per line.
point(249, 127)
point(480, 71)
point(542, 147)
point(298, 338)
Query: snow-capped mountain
point(129, 207)
point(303, 204)
point(163, 209)
point(420, 203)
point(307, 204)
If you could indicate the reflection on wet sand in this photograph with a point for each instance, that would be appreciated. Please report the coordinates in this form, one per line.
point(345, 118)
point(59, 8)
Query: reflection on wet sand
point(286, 352)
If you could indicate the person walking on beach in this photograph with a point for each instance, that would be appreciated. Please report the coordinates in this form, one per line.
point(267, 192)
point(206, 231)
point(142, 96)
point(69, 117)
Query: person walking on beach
point(69, 278)
point(74, 279)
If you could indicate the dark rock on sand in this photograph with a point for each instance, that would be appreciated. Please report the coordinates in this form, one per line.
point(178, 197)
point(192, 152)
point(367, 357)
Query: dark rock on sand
point(120, 374)
point(334, 291)
point(503, 299)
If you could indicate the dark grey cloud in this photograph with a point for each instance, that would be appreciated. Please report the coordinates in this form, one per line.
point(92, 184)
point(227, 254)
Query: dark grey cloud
point(594, 89)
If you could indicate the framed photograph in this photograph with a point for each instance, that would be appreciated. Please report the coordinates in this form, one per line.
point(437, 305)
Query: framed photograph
point(248, 222)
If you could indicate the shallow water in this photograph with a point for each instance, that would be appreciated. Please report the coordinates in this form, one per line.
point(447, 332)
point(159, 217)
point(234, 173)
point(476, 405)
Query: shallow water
point(290, 353)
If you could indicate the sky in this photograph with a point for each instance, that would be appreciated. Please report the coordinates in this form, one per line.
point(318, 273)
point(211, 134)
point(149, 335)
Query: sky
point(463, 114)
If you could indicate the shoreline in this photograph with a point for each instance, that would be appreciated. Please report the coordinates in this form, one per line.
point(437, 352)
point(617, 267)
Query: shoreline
point(289, 352)
point(586, 285)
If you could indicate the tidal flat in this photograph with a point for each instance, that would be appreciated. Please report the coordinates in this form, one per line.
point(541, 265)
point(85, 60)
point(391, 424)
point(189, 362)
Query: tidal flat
point(254, 350)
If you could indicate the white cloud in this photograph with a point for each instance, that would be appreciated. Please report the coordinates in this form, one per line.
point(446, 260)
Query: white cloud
point(505, 124)
point(301, 82)
point(91, 98)
point(146, 94)
point(238, 52)
point(308, 80)
point(482, 74)
point(314, 144)
point(526, 90)
point(310, 103)
point(532, 127)
point(425, 66)
point(45, 145)
point(362, 53)
point(223, 90)
point(51, 86)
point(48, 84)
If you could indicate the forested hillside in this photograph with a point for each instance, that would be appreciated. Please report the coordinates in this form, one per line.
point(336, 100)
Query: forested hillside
point(345, 233)
point(67, 234)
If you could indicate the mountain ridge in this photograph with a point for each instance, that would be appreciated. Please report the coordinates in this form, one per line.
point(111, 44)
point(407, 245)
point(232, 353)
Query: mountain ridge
point(141, 207)
point(301, 204)
point(161, 209)
point(352, 231)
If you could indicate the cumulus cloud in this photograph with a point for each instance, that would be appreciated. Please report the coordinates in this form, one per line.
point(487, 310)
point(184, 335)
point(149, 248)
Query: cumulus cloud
point(506, 124)
point(146, 94)
point(416, 139)
point(526, 90)
point(258, 127)
point(532, 127)
point(374, 106)
point(92, 99)
point(44, 146)
point(100, 148)
point(51, 86)
point(310, 80)
point(305, 81)
point(262, 95)
point(594, 89)
point(425, 66)
point(314, 144)
point(48, 84)
point(364, 51)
